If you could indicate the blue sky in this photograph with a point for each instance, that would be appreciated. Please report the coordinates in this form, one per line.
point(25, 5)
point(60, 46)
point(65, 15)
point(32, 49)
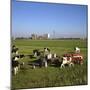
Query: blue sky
point(34, 17)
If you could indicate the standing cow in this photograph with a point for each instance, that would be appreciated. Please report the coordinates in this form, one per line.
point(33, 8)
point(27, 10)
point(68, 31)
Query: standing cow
point(71, 59)
point(67, 60)
point(15, 65)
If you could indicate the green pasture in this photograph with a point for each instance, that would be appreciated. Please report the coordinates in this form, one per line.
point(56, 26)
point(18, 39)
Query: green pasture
point(51, 76)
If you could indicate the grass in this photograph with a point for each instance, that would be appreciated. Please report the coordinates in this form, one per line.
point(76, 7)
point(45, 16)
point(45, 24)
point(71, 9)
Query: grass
point(51, 76)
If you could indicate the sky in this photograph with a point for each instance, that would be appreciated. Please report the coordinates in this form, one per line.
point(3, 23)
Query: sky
point(59, 20)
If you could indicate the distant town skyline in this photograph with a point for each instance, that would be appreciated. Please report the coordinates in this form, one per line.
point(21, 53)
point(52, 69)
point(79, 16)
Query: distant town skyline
point(58, 20)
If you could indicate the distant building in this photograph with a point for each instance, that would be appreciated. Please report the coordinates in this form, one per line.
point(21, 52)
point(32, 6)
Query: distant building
point(40, 37)
point(34, 36)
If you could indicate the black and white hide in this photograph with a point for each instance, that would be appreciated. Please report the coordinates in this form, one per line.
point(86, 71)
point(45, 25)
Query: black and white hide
point(15, 65)
point(13, 47)
point(43, 62)
point(46, 51)
point(50, 57)
point(21, 56)
point(36, 52)
point(15, 51)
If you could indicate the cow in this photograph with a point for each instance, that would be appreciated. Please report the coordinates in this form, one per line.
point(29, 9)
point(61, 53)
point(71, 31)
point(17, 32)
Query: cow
point(72, 59)
point(15, 65)
point(67, 60)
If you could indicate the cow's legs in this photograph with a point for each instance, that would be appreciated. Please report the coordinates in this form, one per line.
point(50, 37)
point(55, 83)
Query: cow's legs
point(15, 70)
point(46, 64)
point(62, 65)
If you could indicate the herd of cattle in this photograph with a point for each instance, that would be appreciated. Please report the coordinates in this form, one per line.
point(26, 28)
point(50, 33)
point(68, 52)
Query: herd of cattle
point(45, 58)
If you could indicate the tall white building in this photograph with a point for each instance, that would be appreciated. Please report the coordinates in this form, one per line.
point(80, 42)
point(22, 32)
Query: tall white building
point(48, 35)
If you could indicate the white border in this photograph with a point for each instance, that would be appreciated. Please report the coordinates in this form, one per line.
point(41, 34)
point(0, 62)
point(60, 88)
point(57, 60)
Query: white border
point(84, 2)
point(5, 43)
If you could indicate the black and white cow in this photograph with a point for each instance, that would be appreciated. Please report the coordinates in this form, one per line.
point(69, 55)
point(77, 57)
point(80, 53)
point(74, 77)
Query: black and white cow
point(15, 65)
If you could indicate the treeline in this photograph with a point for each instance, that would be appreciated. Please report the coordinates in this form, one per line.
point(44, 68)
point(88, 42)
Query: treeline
point(17, 38)
point(68, 38)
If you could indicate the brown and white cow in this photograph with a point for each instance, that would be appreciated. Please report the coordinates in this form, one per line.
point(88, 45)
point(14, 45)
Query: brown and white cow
point(71, 59)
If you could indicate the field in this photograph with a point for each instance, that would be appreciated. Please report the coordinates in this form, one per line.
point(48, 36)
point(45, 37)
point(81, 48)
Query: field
point(51, 76)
